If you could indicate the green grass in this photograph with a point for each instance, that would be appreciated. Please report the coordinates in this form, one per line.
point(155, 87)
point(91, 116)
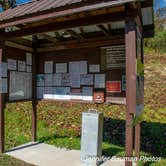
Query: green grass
point(5, 160)
point(59, 123)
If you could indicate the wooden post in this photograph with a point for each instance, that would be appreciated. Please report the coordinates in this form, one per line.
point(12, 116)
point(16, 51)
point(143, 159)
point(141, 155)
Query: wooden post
point(2, 105)
point(130, 41)
point(138, 126)
point(34, 102)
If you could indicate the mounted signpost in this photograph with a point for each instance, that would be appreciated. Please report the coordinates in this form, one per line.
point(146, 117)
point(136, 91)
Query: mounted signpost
point(81, 51)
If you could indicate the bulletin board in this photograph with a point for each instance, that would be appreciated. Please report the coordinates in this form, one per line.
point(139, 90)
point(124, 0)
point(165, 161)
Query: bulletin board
point(79, 74)
point(19, 80)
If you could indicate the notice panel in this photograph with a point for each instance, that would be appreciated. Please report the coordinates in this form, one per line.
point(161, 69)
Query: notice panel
point(113, 86)
point(20, 86)
point(114, 57)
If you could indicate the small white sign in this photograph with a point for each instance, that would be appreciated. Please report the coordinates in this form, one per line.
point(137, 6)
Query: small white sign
point(29, 58)
point(29, 69)
point(3, 85)
point(12, 64)
point(94, 68)
point(99, 80)
point(61, 67)
point(3, 69)
point(21, 66)
point(48, 67)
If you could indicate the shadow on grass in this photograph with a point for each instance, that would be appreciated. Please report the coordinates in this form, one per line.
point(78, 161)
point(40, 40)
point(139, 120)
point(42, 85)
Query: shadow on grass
point(152, 138)
point(152, 135)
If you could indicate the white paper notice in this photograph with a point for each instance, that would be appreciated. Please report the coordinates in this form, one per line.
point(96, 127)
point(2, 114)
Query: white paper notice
point(3, 69)
point(61, 93)
point(48, 67)
point(12, 64)
point(48, 93)
point(87, 93)
point(61, 67)
point(66, 80)
point(78, 67)
point(86, 79)
point(94, 68)
point(20, 85)
point(28, 69)
point(83, 66)
point(40, 79)
point(57, 79)
point(75, 80)
point(62, 90)
point(40, 92)
point(99, 80)
point(21, 66)
point(3, 85)
point(29, 58)
point(48, 79)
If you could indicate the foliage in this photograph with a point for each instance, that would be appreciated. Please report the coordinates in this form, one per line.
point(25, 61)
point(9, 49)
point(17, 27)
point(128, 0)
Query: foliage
point(6, 4)
point(5, 160)
point(158, 43)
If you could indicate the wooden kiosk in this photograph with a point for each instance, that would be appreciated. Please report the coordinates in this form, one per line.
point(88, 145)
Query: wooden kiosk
point(76, 51)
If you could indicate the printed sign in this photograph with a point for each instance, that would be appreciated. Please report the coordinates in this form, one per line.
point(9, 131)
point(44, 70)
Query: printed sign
point(12, 64)
point(61, 68)
point(113, 86)
point(29, 58)
point(3, 69)
point(48, 67)
point(21, 66)
point(94, 68)
point(99, 80)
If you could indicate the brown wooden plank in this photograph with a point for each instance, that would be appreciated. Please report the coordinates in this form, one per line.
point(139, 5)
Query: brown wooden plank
point(49, 38)
point(86, 43)
point(2, 105)
point(19, 46)
point(34, 101)
point(67, 24)
point(54, 13)
point(130, 39)
point(104, 29)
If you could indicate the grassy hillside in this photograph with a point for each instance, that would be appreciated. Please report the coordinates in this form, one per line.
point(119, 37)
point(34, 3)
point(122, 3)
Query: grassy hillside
point(60, 123)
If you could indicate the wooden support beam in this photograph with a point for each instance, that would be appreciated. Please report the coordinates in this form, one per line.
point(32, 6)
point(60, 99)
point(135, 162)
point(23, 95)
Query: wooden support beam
point(34, 100)
point(2, 104)
point(82, 31)
point(94, 42)
point(104, 30)
point(49, 38)
point(92, 20)
point(130, 41)
point(74, 34)
point(51, 14)
point(19, 46)
point(22, 41)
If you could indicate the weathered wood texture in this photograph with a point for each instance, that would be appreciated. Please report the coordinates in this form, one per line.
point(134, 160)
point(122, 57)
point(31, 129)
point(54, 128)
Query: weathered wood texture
point(130, 84)
point(2, 104)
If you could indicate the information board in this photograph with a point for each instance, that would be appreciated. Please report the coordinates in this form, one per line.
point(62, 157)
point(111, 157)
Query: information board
point(20, 86)
point(113, 57)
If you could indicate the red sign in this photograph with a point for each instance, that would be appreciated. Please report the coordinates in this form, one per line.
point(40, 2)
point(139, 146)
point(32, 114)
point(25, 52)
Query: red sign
point(113, 86)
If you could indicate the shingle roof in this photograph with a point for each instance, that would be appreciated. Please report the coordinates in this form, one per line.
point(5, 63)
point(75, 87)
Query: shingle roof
point(38, 6)
point(35, 7)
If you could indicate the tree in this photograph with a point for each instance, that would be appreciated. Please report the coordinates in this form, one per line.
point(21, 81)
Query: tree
point(6, 4)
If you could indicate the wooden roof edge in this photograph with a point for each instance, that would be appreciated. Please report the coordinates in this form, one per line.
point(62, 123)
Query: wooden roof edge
point(54, 13)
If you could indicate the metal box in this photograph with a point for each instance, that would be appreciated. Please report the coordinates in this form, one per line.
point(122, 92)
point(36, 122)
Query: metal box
point(91, 138)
